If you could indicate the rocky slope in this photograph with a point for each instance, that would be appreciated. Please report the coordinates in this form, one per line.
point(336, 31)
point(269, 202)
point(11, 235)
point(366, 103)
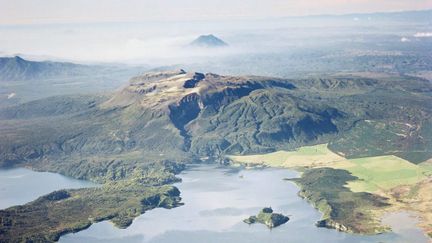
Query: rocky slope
point(163, 115)
point(181, 116)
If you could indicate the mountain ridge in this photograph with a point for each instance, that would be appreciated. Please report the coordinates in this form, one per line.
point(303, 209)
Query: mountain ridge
point(17, 68)
point(180, 116)
point(23, 80)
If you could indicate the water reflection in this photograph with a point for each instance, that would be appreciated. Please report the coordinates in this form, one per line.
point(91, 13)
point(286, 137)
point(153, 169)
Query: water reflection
point(19, 186)
point(217, 199)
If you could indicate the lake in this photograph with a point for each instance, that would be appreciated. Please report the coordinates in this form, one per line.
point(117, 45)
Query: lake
point(217, 199)
point(19, 186)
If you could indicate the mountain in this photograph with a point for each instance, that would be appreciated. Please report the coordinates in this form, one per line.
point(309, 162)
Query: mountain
point(135, 140)
point(208, 41)
point(17, 68)
point(23, 80)
point(181, 116)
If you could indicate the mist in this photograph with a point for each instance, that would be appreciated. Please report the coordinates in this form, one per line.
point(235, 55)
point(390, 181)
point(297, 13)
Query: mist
point(253, 44)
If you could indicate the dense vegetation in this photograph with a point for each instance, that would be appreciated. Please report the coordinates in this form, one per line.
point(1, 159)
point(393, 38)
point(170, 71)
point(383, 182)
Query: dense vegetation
point(162, 120)
point(65, 211)
point(405, 185)
point(267, 217)
point(348, 211)
point(354, 94)
point(156, 117)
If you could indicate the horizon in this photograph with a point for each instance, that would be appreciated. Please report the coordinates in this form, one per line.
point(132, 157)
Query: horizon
point(26, 12)
point(162, 41)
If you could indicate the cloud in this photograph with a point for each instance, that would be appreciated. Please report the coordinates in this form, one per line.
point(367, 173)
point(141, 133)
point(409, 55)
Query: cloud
point(423, 34)
point(152, 50)
point(404, 39)
point(11, 95)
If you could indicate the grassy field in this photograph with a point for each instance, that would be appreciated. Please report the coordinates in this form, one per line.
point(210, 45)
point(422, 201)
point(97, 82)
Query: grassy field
point(374, 173)
point(402, 185)
point(383, 173)
point(308, 156)
point(427, 164)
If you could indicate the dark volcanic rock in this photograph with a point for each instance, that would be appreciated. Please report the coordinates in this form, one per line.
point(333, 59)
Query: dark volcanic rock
point(191, 83)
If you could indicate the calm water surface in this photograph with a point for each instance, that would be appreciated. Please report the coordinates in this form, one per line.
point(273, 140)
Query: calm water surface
point(218, 199)
point(19, 186)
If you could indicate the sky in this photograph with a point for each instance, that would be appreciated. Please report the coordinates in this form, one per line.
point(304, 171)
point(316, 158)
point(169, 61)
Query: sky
point(148, 31)
point(22, 12)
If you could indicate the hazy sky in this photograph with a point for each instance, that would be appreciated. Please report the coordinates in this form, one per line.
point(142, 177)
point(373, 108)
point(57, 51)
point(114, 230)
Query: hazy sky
point(149, 30)
point(82, 11)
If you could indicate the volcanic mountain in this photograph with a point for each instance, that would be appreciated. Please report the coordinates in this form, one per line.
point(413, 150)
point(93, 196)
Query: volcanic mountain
point(208, 41)
point(183, 116)
point(135, 140)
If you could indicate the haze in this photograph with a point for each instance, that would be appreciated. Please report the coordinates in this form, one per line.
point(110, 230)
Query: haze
point(79, 11)
point(155, 32)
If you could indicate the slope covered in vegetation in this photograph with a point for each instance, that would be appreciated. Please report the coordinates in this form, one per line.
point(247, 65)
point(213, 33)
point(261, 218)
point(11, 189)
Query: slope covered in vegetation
point(166, 119)
point(353, 194)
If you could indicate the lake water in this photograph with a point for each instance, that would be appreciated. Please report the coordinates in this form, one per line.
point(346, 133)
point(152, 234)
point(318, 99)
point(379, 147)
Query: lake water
point(19, 186)
point(404, 224)
point(218, 199)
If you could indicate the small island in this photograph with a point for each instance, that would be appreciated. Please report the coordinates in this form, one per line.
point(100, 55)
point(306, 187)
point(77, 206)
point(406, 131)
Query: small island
point(267, 217)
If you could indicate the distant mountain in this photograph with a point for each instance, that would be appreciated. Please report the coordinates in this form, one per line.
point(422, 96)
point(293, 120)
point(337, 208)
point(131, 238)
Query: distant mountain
point(208, 41)
point(57, 78)
point(17, 68)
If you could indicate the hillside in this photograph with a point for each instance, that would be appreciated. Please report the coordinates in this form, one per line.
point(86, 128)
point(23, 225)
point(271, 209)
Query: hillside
point(17, 68)
point(177, 115)
point(23, 80)
point(142, 135)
